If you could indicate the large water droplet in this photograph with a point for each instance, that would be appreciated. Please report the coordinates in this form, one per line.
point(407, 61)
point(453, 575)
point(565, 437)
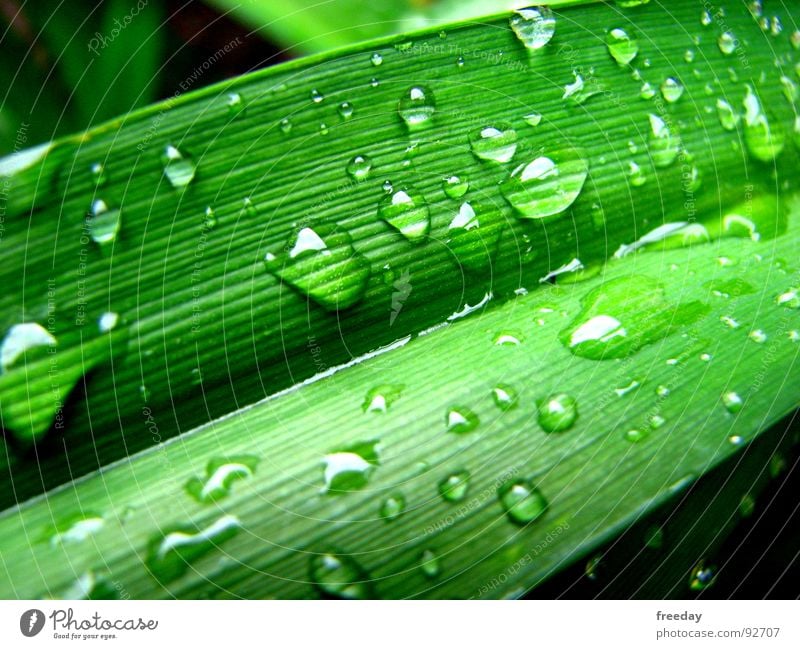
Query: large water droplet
point(24, 343)
point(416, 107)
point(321, 263)
point(221, 473)
point(178, 168)
point(407, 212)
point(522, 501)
point(664, 146)
point(533, 26)
point(350, 468)
point(557, 412)
point(622, 46)
point(623, 315)
point(460, 419)
point(548, 185)
point(495, 143)
point(474, 233)
point(765, 138)
point(454, 487)
point(381, 397)
point(339, 576)
point(104, 223)
point(170, 554)
point(671, 90)
point(359, 167)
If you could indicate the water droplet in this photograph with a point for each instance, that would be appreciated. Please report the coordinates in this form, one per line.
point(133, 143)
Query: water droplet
point(339, 576)
point(701, 576)
point(346, 110)
point(286, 125)
point(522, 502)
point(210, 220)
point(235, 103)
point(474, 233)
point(407, 212)
point(107, 321)
point(221, 473)
point(622, 47)
point(454, 487)
point(627, 389)
point(505, 397)
point(374, 83)
point(757, 336)
point(359, 167)
point(460, 61)
point(376, 59)
point(557, 413)
point(171, 553)
point(416, 106)
point(688, 56)
point(534, 26)
point(765, 138)
point(429, 564)
point(98, 172)
point(624, 315)
point(636, 176)
point(534, 119)
point(393, 507)
point(790, 299)
point(104, 223)
point(74, 529)
point(506, 338)
point(705, 18)
point(316, 96)
point(548, 185)
point(727, 43)
point(664, 146)
point(387, 186)
point(728, 117)
point(495, 143)
point(732, 401)
point(323, 128)
point(671, 90)
point(656, 421)
point(455, 186)
point(579, 91)
point(24, 343)
point(635, 435)
point(647, 91)
point(662, 391)
point(178, 168)
point(728, 321)
point(350, 468)
point(381, 397)
point(461, 420)
point(321, 263)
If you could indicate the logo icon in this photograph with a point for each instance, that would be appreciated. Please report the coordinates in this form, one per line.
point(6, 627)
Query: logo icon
point(31, 622)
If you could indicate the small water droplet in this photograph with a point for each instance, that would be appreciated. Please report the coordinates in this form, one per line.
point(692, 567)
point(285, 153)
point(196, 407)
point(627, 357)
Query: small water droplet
point(732, 401)
point(522, 501)
point(323, 128)
point(557, 413)
point(98, 172)
point(664, 146)
point(429, 564)
point(757, 336)
point(622, 46)
point(460, 61)
point(728, 321)
point(221, 474)
point(171, 553)
point(580, 91)
point(728, 117)
point(376, 59)
point(705, 18)
point(635, 435)
point(505, 397)
point(789, 299)
point(107, 321)
point(636, 176)
point(548, 185)
point(534, 26)
point(702, 576)
point(316, 96)
point(460, 420)
point(74, 529)
point(656, 421)
point(416, 107)
point(647, 91)
point(688, 56)
point(727, 43)
point(286, 125)
point(359, 167)
point(627, 389)
point(455, 186)
point(387, 186)
point(473, 234)
point(346, 110)
point(350, 468)
point(534, 119)
point(381, 397)
point(104, 223)
point(339, 576)
point(374, 83)
point(764, 137)
point(407, 212)
point(235, 103)
point(178, 167)
point(671, 90)
point(210, 218)
point(393, 507)
point(494, 143)
point(662, 391)
point(506, 338)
